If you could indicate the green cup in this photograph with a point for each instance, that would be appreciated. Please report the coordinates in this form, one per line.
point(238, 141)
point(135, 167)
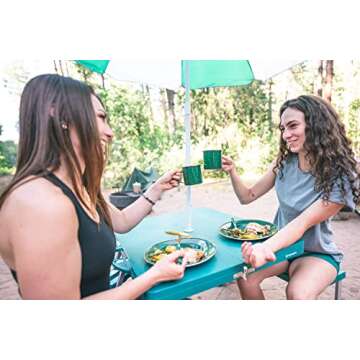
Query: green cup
point(212, 159)
point(192, 175)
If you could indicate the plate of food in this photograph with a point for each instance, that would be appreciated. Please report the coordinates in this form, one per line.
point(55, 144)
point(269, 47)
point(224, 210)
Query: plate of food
point(198, 250)
point(248, 230)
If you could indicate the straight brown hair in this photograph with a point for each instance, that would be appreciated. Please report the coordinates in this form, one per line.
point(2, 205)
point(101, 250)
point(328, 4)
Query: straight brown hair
point(50, 103)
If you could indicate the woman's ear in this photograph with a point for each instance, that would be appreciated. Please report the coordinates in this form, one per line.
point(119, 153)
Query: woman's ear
point(52, 114)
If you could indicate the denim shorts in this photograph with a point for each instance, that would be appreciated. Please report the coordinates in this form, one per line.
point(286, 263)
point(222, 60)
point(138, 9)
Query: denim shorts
point(325, 257)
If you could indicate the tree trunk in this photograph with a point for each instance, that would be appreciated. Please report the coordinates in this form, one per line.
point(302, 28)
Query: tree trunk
point(165, 110)
point(103, 81)
point(61, 68)
point(270, 106)
point(85, 75)
point(320, 80)
point(329, 80)
point(205, 126)
point(171, 104)
point(149, 103)
point(67, 69)
point(145, 91)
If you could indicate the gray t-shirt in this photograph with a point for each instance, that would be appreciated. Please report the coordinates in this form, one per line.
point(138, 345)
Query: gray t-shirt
point(295, 192)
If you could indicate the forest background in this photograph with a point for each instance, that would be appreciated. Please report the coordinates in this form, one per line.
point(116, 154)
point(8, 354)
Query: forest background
point(148, 122)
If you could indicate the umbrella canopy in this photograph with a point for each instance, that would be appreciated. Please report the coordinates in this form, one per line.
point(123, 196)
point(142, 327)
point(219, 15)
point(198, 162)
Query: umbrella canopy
point(161, 73)
point(170, 74)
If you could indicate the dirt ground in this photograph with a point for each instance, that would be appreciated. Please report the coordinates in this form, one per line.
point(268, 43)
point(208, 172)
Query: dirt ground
point(220, 196)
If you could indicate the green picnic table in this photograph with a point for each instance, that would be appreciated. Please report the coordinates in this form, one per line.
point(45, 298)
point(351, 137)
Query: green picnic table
point(219, 270)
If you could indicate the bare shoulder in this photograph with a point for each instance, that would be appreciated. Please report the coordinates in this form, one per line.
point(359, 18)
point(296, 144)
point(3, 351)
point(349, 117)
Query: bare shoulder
point(36, 217)
point(37, 197)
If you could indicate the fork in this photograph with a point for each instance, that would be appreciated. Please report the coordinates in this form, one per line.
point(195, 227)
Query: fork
point(233, 222)
point(180, 236)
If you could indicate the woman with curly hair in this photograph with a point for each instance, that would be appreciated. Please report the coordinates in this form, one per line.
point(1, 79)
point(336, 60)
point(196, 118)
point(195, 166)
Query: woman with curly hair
point(315, 176)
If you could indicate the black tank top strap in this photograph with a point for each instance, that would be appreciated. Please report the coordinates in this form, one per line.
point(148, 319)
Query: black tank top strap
point(67, 191)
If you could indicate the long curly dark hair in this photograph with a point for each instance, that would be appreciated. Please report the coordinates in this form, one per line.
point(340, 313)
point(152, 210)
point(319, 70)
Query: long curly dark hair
point(327, 148)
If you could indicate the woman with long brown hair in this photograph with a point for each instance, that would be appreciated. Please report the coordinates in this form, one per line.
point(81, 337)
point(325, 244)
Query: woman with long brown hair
point(57, 230)
point(315, 175)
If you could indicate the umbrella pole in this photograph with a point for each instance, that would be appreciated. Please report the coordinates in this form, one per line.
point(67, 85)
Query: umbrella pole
point(187, 110)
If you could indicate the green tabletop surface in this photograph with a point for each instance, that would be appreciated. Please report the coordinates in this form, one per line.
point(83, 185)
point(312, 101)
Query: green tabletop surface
point(219, 270)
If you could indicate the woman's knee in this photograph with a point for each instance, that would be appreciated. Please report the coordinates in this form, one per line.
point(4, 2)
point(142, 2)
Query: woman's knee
point(251, 281)
point(299, 293)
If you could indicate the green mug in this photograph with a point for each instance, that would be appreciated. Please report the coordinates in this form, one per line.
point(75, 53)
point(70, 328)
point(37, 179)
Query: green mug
point(212, 159)
point(192, 175)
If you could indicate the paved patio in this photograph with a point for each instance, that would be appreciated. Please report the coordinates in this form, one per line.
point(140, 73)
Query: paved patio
point(220, 196)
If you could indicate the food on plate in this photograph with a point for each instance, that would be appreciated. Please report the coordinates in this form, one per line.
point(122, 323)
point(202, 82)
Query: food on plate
point(252, 231)
point(193, 255)
point(170, 249)
point(257, 229)
point(157, 255)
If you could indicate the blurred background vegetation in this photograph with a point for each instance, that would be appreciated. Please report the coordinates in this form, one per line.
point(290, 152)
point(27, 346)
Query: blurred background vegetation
point(242, 121)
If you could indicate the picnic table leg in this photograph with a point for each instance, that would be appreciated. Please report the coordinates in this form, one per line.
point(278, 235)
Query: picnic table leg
point(338, 290)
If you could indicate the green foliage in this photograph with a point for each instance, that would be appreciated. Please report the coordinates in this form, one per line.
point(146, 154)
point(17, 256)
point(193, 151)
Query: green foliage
point(354, 125)
point(8, 151)
point(304, 77)
point(234, 119)
point(139, 141)
point(85, 74)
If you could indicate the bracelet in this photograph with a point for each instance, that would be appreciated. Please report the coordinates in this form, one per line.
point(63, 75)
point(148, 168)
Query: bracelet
point(148, 200)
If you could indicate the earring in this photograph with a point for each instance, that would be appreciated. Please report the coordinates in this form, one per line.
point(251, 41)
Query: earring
point(64, 126)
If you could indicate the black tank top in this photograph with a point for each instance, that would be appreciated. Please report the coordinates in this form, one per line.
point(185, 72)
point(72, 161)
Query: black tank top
point(97, 244)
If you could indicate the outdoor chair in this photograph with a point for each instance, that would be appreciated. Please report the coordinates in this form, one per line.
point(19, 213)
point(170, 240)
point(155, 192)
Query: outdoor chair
point(125, 197)
point(114, 277)
point(121, 268)
point(341, 276)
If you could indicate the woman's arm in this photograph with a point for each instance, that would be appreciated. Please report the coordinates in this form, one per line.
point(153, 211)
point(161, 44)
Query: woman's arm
point(125, 220)
point(257, 255)
point(292, 232)
point(248, 195)
point(48, 256)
